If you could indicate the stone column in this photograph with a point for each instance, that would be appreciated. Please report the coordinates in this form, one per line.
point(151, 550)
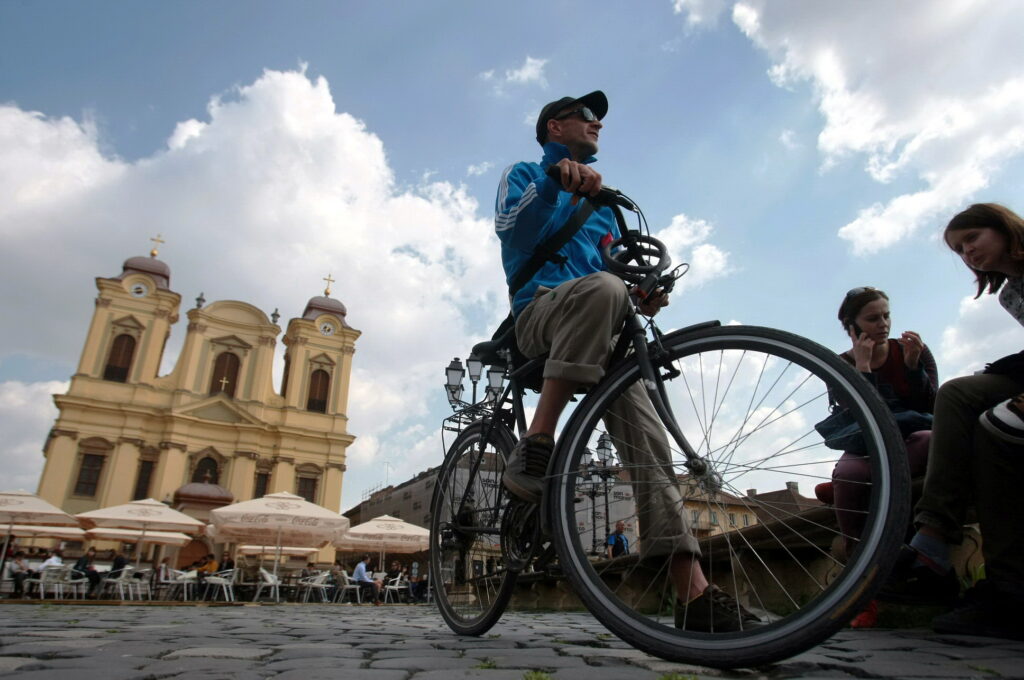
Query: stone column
point(61, 451)
point(124, 470)
point(332, 486)
point(243, 475)
point(283, 477)
point(169, 475)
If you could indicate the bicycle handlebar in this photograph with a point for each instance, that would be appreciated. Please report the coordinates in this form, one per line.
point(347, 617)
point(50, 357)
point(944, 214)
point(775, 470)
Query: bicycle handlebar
point(606, 196)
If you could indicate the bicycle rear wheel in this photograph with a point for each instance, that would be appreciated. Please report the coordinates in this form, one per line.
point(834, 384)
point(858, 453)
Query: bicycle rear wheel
point(747, 400)
point(469, 580)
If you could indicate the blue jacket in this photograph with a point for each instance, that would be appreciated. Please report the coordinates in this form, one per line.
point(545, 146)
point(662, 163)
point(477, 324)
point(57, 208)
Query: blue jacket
point(529, 208)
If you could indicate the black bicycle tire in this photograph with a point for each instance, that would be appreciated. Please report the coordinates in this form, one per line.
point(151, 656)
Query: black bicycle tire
point(771, 643)
point(503, 440)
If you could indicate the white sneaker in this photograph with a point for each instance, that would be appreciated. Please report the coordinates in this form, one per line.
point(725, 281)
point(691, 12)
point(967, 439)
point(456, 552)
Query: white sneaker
point(1006, 420)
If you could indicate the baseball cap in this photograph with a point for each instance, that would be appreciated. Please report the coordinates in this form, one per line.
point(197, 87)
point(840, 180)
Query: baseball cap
point(595, 101)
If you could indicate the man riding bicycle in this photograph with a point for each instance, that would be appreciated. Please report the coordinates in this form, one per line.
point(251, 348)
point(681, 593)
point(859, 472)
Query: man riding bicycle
point(572, 309)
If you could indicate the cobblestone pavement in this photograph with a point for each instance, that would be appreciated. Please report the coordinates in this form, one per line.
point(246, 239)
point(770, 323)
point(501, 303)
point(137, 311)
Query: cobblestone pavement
point(344, 642)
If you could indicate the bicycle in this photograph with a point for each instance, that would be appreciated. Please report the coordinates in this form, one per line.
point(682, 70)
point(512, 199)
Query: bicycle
point(751, 397)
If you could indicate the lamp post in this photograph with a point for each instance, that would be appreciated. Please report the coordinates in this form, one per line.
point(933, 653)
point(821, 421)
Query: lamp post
point(605, 454)
point(455, 372)
point(475, 367)
point(453, 383)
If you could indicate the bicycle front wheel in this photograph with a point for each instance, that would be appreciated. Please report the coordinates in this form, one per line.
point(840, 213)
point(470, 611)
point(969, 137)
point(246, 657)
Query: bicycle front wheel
point(467, 574)
point(746, 399)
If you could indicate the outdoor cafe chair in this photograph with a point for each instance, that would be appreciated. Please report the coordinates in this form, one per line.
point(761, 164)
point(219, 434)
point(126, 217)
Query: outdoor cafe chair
point(140, 583)
point(271, 583)
point(396, 587)
point(51, 578)
point(122, 583)
point(345, 586)
point(223, 583)
point(77, 582)
point(311, 583)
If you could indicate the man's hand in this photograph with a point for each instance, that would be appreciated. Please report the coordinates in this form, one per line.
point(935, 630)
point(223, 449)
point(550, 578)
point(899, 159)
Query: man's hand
point(654, 302)
point(579, 178)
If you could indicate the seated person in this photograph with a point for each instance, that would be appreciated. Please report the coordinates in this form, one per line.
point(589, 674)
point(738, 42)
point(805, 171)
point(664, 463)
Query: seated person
point(84, 566)
point(370, 587)
point(975, 457)
point(19, 570)
point(54, 560)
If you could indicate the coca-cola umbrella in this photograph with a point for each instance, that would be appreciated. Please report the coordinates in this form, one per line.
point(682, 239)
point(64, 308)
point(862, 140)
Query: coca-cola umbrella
point(385, 534)
point(278, 519)
point(22, 507)
point(145, 515)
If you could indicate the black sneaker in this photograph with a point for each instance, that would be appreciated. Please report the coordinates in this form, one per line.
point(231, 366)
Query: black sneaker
point(983, 612)
point(916, 584)
point(714, 611)
point(527, 466)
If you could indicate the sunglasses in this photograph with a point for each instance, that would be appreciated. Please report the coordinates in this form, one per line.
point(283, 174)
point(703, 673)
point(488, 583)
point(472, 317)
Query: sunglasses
point(858, 290)
point(584, 112)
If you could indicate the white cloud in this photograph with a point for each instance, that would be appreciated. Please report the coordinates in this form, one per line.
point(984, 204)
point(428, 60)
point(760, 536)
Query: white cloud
point(275, 188)
point(700, 12)
point(983, 332)
point(479, 168)
point(917, 91)
point(530, 73)
point(685, 239)
point(26, 415)
point(788, 139)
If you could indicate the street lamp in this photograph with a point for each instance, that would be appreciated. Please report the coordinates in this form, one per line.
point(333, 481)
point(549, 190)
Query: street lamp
point(605, 455)
point(475, 367)
point(495, 382)
point(453, 383)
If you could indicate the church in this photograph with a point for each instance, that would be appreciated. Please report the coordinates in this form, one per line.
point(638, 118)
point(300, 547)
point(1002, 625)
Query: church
point(214, 430)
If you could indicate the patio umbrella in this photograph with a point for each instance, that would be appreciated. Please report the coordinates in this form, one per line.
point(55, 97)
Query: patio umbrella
point(22, 507)
point(385, 534)
point(34, 531)
point(146, 515)
point(174, 538)
point(277, 519)
point(261, 550)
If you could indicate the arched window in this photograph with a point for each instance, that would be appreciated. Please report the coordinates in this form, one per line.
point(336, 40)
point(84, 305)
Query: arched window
point(225, 374)
point(120, 360)
point(319, 384)
point(206, 471)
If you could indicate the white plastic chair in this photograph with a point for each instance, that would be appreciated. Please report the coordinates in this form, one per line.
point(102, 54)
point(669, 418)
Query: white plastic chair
point(270, 582)
point(346, 586)
point(139, 584)
point(394, 587)
point(51, 578)
point(77, 582)
point(122, 583)
point(223, 583)
point(311, 583)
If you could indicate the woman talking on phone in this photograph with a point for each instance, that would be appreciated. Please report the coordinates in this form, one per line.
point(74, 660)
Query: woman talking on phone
point(903, 371)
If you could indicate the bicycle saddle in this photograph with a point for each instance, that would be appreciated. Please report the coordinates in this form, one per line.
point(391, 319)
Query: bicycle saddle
point(487, 351)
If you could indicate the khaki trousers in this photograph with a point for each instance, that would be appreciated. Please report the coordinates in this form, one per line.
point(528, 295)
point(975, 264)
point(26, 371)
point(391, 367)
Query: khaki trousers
point(577, 323)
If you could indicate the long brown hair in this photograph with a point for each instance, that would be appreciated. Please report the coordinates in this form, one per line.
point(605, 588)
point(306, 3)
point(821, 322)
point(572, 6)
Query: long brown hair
point(996, 217)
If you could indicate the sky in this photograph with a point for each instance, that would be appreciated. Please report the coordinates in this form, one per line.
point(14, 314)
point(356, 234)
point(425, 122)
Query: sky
point(789, 151)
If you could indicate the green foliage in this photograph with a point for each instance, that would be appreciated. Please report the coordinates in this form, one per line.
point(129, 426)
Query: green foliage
point(677, 676)
point(486, 663)
point(536, 675)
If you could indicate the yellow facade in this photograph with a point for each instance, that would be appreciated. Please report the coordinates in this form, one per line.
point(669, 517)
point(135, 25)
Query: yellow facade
point(125, 432)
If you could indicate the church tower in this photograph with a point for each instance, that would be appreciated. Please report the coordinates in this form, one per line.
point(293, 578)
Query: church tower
point(125, 432)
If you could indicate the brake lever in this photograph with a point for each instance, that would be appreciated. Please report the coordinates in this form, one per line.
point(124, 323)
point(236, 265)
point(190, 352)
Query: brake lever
point(605, 196)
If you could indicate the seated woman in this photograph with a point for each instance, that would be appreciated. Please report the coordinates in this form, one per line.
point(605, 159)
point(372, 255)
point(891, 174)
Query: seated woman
point(903, 371)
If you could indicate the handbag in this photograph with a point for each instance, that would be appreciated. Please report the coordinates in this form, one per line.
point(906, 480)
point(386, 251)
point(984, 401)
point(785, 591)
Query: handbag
point(841, 432)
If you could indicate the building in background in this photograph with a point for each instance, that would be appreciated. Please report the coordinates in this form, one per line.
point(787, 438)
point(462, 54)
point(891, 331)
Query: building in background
point(124, 432)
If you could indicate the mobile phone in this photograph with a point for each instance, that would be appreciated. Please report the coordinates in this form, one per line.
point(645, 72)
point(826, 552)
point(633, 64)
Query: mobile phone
point(856, 329)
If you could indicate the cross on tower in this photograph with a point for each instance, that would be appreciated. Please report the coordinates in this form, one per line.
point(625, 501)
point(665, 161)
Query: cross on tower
point(329, 280)
point(224, 384)
point(157, 241)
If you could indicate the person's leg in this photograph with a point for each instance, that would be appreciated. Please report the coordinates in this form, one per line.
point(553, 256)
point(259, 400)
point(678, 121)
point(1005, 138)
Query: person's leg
point(851, 479)
point(992, 608)
point(574, 323)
